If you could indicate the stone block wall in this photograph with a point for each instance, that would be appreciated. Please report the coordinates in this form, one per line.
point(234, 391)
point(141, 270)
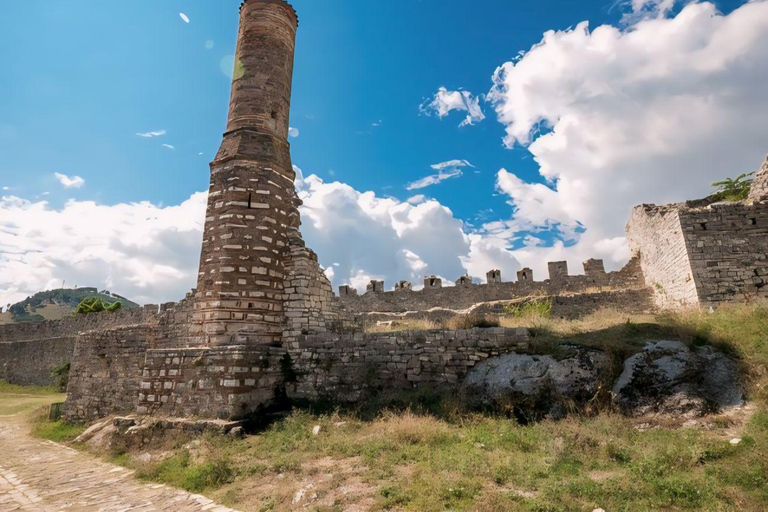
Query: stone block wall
point(728, 247)
point(655, 233)
point(106, 365)
point(220, 382)
point(345, 367)
point(457, 299)
point(702, 254)
point(309, 303)
point(29, 363)
point(28, 352)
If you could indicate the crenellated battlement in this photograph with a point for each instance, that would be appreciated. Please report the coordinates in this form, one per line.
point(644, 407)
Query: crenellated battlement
point(558, 271)
point(465, 294)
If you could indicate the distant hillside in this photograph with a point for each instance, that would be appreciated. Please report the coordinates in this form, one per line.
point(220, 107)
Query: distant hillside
point(56, 304)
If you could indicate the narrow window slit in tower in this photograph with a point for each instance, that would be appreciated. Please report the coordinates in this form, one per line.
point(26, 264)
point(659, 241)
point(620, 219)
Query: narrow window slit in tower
point(703, 226)
point(753, 222)
point(250, 198)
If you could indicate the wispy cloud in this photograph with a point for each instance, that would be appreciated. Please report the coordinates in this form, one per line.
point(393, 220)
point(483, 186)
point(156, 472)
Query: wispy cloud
point(445, 101)
point(184, 17)
point(69, 182)
point(169, 146)
point(445, 171)
point(149, 135)
point(376, 124)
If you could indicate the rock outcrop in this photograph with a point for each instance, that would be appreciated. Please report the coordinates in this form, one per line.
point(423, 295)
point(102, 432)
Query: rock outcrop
point(539, 384)
point(669, 379)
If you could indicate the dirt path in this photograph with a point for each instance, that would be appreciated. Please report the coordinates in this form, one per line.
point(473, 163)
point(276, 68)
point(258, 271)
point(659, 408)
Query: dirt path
point(41, 476)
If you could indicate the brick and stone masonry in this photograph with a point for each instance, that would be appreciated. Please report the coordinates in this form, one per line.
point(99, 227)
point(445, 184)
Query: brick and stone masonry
point(252, 212)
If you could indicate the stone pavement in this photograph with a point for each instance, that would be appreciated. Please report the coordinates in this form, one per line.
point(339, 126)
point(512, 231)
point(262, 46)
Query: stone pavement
point(42, 476)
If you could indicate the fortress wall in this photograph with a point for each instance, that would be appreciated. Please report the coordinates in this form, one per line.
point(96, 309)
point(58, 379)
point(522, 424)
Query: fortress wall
point(217, 382)
point(460, 298)
point(28, 352)
point(106, 366)
point(655, 233)
point(347, 367)
point(29, 363)
point(728, 247)
point(74, 324)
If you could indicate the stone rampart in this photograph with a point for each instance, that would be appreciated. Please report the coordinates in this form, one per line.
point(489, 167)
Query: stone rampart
point(28, 352)
point(29, 363)
point(345, 367)
point(462, 298)
point(702, 254)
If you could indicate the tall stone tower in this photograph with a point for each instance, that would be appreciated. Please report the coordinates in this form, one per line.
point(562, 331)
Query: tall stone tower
point(252, 214)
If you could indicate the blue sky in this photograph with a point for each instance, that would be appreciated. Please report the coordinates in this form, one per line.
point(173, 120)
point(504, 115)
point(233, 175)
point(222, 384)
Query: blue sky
point(82, 78)
point(650, 104)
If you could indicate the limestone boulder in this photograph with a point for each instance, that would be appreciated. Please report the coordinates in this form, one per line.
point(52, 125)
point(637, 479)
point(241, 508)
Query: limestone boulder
point(539, 384)
point(669, 379)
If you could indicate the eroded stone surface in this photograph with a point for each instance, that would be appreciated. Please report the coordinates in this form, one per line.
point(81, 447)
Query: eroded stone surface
point(668, 378)
point(513, 376)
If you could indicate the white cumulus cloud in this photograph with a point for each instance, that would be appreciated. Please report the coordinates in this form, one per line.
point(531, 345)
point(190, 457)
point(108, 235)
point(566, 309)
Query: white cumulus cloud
point(293, 132)
point(184, 17)
point(69, 182)
point(445, 101)
point(650, 114)
point(139, 250)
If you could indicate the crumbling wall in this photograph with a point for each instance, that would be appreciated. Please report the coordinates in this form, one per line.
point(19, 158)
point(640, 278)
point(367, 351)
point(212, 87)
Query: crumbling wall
point(346, 367)
point(702, 254)
point(656, 235)
point(309, 305)
point(28, 352)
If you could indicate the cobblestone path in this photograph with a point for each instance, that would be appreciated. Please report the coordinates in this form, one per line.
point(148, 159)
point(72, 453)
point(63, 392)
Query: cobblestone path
point(41, 476)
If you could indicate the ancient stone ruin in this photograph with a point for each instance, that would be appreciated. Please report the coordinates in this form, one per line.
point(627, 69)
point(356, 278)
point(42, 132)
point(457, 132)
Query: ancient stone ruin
point(263, 324)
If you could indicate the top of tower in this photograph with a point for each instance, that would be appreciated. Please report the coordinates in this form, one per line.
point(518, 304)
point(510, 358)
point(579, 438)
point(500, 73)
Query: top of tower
point(283, 3)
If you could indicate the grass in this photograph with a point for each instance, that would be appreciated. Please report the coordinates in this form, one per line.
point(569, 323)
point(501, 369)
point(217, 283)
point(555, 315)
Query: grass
point(56, 431)
point(31, 404)
point(415, 460)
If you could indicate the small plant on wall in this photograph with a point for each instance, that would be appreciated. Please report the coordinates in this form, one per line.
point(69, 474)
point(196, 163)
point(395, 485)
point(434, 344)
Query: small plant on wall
point(95, 305)
point(731, 189)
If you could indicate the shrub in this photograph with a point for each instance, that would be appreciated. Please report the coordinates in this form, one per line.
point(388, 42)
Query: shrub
point(95, 305)
point(471, 321)
point(61, 374)
point(534, 308)
point(733, 189)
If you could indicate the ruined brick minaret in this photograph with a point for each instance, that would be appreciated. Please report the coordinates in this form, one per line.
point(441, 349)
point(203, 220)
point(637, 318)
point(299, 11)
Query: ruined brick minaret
point(252, 214)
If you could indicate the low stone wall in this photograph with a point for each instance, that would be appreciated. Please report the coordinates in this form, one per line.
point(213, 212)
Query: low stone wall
point(28, 352)
point(345, 367)
point(29, 363)
point(220, 382)
point(105, 373)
